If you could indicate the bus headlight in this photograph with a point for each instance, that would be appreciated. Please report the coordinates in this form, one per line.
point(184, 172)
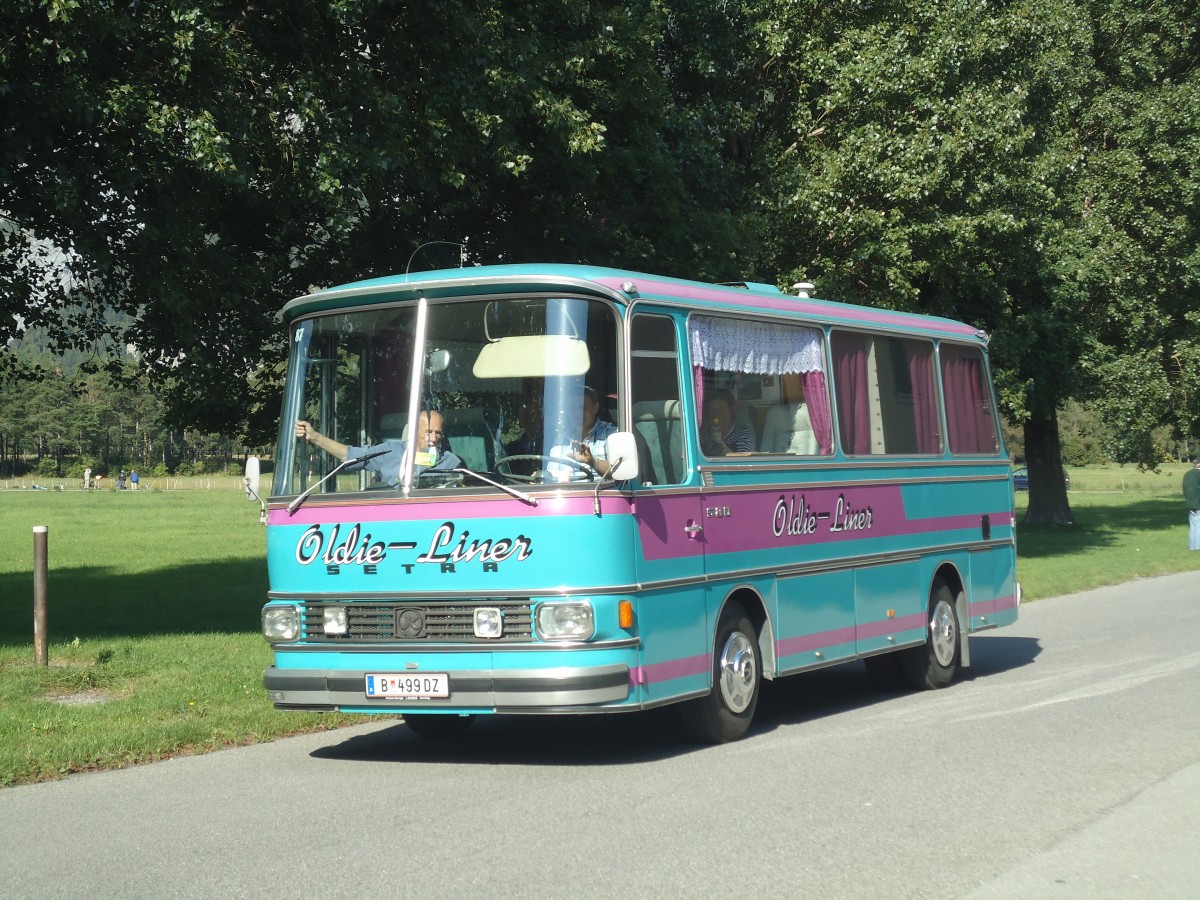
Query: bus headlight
point(566, 621)
point(281, 623)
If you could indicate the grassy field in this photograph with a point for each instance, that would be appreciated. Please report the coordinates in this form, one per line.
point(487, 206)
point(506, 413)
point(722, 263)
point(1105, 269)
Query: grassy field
point(154, 599)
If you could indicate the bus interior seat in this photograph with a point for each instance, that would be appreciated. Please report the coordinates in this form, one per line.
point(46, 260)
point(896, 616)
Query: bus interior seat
point(393, 426)
point(658, 422)
point(788, 429)
point(470, 438)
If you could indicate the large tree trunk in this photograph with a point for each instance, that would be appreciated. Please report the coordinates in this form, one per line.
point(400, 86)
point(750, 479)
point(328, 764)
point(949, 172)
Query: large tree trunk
point(1048, 504)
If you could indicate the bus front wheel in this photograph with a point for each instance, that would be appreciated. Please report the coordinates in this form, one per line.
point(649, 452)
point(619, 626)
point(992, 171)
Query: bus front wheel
point(936, 663)
point(726, 712)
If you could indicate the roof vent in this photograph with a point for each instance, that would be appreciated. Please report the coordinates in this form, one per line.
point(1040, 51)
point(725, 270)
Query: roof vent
point(751, 286)
point(803, 288)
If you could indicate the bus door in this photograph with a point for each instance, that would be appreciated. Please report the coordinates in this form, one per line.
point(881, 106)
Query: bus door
point(671, 603)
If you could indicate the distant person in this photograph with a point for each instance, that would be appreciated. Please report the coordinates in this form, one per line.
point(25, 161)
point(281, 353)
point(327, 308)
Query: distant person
point(431, 436)
point(121, 480)
point(1191, 493)
point(133, 479)
point(87, 479)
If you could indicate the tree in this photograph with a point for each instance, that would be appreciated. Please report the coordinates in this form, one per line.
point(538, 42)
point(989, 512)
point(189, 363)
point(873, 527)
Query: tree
point(193, 166)
point(916, 162)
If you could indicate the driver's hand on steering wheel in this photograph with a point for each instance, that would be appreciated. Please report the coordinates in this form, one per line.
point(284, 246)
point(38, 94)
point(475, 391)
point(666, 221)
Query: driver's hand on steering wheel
point(583, 454)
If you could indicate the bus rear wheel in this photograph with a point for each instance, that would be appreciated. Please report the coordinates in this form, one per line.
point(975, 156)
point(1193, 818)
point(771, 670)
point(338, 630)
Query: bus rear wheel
point(936, 663)
point(726, 712)
point(438, 727)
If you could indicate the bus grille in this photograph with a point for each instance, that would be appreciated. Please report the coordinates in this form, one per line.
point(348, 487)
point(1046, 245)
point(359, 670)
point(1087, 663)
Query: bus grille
point(420, 622)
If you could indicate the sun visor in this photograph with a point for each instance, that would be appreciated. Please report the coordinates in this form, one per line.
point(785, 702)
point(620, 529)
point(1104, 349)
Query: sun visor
point(532, 356)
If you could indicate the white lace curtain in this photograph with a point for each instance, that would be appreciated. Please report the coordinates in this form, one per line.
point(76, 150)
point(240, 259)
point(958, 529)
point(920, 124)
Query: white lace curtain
point(757, 348)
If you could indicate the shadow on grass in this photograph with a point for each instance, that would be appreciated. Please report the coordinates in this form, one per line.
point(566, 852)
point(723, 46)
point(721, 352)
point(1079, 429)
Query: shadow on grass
point(629, 738)
point(220, 596)
point(1096, 527)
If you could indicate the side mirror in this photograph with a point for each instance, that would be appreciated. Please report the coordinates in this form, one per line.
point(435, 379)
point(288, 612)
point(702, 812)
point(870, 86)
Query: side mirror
point(623, 455)
point(253, 470)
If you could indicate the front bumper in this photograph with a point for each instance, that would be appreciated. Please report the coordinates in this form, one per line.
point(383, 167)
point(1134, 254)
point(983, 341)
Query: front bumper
point(474, 691)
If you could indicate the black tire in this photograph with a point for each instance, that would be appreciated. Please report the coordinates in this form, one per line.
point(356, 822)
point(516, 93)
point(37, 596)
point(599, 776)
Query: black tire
point(726, 712)
point(935, 663)
point(429, 725)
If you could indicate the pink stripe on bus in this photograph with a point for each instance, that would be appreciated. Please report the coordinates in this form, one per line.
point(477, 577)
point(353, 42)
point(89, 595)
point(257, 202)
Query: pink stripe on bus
point(999, 604)
point(419, 511)
point(671, 669)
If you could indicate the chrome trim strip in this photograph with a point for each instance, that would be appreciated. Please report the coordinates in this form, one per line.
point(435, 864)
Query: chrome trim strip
point(842, 660)
point(559, 593)
point(432, 647)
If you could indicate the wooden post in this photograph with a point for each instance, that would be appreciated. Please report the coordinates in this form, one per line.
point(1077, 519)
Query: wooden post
point(41, 656)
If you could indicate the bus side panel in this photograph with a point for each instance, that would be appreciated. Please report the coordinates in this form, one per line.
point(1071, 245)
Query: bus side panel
point(889, 604)
point(816, 620)
point(671, 620)
point(675, 660)
point(993, 592)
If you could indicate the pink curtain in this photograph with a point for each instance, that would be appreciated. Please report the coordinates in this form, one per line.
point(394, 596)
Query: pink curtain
point(970, 420)
point(925, 406)
point(816, 395)
point(850, 369)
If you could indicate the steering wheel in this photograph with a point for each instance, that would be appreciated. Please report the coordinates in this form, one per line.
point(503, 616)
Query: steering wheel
point(546, 460)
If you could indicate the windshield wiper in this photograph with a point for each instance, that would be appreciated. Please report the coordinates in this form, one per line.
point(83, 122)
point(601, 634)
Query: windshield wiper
point(512, 492)
point(340, 467)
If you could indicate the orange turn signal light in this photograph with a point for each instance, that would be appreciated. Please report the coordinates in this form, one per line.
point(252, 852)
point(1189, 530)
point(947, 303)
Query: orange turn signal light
point(625, 613)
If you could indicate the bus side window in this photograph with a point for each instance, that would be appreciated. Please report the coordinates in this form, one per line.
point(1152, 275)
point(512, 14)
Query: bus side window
point(761, 385)
point(886, 395)
point(657, 418)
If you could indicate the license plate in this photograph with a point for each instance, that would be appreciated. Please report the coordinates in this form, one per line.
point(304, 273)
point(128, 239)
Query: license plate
point(410, 686)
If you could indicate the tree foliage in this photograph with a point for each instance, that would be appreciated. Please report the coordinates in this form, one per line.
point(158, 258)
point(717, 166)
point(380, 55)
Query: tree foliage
point(178, 170)
point(194, 165)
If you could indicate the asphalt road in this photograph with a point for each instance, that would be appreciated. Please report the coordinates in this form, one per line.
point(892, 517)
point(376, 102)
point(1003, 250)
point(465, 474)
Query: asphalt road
point(1066, 764)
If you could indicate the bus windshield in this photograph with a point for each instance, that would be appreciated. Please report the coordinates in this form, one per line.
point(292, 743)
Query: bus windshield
point(521, 389)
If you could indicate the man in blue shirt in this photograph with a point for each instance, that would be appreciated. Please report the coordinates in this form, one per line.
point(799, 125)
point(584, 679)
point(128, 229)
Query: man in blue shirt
point(591, 449)
point(430, 435)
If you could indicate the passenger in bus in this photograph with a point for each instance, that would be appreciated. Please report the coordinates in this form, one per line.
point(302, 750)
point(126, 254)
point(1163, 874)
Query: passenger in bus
point(529, 443)
point(719, 434)
point(590, 449)
point(435, 454)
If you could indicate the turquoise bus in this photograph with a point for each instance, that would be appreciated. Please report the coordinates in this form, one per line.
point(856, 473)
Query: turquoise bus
point(540, 489)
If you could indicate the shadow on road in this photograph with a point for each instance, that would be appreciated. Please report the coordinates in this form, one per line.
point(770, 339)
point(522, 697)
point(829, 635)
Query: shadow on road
point(621, 739)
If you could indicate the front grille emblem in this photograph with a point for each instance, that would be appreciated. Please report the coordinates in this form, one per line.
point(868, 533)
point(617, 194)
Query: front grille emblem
point(410, 623)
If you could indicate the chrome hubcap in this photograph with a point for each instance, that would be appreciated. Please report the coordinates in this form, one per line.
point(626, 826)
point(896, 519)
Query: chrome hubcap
point(738, 672)
point(943, 634)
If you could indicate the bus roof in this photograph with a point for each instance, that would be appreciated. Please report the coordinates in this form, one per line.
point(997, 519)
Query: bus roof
point(621, 286)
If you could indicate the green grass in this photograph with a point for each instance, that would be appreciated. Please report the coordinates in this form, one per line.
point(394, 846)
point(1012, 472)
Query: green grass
point(154, 600)
point(1128, 525)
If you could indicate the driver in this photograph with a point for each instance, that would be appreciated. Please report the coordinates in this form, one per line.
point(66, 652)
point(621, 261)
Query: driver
point(430, 429)
point(591, 449)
